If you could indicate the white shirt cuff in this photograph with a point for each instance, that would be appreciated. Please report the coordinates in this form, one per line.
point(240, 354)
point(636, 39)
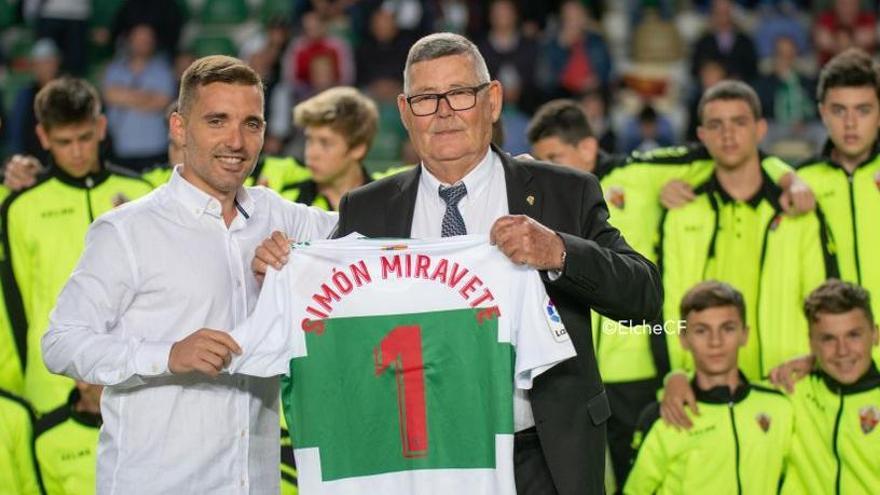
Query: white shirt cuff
point(151, 358)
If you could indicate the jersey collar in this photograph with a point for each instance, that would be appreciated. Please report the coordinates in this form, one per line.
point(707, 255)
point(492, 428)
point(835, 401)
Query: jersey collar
point(768, 191)
point(870, 380)
point(722, 394)
point(86, 182)
point(825, 155)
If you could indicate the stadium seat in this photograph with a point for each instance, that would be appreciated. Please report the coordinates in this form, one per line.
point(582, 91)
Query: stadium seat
point(213, 44)
point(223, 12)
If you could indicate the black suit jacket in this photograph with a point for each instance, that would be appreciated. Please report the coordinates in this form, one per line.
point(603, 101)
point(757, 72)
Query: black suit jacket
point(601, 272)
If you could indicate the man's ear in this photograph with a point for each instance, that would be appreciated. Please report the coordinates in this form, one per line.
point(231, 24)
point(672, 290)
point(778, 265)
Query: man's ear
point(177, 129)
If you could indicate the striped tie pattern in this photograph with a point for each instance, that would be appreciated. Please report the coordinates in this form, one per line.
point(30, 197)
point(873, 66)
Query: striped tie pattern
point(453, 224)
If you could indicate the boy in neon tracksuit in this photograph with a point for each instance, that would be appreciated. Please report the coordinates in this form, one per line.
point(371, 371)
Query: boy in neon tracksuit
point(66, 443)
point(836, 445)
point(740, 441)
point(630, 359)
point(735, 231)
point(845, 176)
point(44, 227)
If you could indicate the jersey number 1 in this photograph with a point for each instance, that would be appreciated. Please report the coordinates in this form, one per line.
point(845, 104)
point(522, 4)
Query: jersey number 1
point(401, 350)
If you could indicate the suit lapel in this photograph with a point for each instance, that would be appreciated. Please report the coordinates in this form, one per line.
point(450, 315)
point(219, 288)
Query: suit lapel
point(402, 205)
point(522, 196)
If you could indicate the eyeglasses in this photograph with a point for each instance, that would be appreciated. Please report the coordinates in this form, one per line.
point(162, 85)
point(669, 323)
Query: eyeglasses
point(458, 99)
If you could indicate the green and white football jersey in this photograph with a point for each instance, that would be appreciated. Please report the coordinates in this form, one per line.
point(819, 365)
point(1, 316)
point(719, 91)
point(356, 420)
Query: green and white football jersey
point(401, 359)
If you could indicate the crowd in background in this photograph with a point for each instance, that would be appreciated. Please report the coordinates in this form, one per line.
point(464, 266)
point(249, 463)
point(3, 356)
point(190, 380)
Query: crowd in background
point(637, 67)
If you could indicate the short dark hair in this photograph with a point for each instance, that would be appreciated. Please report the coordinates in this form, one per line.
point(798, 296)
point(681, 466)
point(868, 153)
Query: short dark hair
point(731, 90)
point(712, 294)
point(836, 297)
point(851, 68)
point(563, 119)
point(66, 101)
point(212, 69)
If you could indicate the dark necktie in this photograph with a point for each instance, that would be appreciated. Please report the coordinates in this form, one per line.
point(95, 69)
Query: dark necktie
point(453, 224)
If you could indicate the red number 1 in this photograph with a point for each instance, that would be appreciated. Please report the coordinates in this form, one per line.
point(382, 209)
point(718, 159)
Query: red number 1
point(401, 350)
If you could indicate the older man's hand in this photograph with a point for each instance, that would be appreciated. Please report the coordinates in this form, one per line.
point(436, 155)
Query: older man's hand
point(526, 242)
point(273, 251)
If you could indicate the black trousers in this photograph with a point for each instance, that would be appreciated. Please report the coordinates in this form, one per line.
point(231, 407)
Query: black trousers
point(530, 469)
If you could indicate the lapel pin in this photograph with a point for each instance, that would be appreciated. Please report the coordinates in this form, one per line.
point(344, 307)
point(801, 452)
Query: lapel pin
point(530, 200)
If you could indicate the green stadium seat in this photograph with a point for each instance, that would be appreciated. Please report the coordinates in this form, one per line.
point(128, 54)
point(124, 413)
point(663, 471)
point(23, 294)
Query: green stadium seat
point(213, 44)
point(223, 12)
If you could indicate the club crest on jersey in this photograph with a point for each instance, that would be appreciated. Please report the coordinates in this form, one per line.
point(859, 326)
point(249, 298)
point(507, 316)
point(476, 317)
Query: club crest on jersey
point(869, 416)
point(616, 196)
point(763, 421)
point(395, 247)
point(554, 321)
point(877, 180)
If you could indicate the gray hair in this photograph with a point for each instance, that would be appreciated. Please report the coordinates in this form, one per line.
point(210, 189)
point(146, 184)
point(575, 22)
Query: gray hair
point(439, 45)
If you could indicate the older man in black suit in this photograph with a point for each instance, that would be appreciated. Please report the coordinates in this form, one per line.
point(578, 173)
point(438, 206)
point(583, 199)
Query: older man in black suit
point(548, 217)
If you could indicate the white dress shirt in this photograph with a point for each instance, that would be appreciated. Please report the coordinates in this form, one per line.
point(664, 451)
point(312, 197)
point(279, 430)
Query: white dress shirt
point(154, 271)
point(485, 202)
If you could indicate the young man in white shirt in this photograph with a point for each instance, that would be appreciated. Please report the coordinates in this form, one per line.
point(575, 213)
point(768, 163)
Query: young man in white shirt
point(155, 270)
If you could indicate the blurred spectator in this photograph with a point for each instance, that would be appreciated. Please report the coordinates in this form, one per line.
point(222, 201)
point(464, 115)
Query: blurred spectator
point(576, 57)
point(138, 86)
point(514, 122)
point(66, 22)
point(727, 44)
point(595, 104)
point(452, 15)
point(45, 63)
point(709, 73)
point(508, 52)
point(845, 25)
point(647, 131)
point(779, 19)
point(164, 16)
point(787, 98)
point(383, 53)
point(317, 60)
point(656, 39)
point(261, 55)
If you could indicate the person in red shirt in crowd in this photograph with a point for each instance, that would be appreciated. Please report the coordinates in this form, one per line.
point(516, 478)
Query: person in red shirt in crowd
point(845, 25)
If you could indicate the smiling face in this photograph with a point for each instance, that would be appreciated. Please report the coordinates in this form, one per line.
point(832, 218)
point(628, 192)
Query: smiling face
point(842, 344)
point(449, 139)
point(221, 135)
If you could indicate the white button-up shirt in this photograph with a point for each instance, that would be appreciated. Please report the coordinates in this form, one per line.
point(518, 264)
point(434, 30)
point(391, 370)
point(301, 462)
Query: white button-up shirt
point(154, 271)
point(485, 202)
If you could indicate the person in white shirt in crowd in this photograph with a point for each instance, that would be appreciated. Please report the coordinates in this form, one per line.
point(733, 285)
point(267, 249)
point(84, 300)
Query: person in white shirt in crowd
point(155, 270)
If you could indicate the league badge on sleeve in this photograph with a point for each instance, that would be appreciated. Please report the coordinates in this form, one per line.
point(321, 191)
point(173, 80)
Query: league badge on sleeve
point(554, 321)
point(869, 416)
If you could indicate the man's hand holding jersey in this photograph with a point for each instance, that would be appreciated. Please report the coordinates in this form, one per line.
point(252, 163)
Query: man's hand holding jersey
point(204, 351)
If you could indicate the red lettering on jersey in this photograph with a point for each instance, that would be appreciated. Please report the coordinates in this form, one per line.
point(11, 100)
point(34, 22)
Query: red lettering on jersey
point(470, 286)
point(325, 297)
point(313, 326)
point(422, 264)
point(392, 265)
point(486, 296)
point(440, 271)
point(489, 313)
point(456, 275)
point(315, 312)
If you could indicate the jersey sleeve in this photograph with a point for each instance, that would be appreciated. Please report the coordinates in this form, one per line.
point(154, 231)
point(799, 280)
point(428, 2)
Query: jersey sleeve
point(539, 336)
point(270, 337)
